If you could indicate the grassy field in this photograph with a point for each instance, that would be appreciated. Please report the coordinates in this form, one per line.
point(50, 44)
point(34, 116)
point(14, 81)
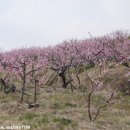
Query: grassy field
point(60, 109)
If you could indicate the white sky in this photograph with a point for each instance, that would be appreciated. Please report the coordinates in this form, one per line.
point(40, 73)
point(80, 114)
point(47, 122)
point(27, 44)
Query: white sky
point(48, 22)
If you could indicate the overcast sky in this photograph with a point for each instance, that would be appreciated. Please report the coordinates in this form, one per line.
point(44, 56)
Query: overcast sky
point(48, 22)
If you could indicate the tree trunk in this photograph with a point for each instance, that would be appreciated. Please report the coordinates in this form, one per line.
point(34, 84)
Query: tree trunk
point(64, 82)
point(22, 90)
point(35, 92)
point(24, 83)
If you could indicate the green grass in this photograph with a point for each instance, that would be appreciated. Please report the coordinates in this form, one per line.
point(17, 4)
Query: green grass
point(44, 119)
point(89, 66)
point(62, 121)
point(68, 104)
point(28, 116)
point(57, 105)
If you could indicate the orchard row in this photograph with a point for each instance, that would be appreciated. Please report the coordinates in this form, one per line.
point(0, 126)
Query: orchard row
point(28, 63)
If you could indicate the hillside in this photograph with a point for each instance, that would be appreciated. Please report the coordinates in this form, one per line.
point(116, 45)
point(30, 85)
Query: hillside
point(60, 109)
point(75, 85)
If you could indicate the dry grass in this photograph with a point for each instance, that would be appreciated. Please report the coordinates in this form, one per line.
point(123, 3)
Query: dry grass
point(61, 109)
